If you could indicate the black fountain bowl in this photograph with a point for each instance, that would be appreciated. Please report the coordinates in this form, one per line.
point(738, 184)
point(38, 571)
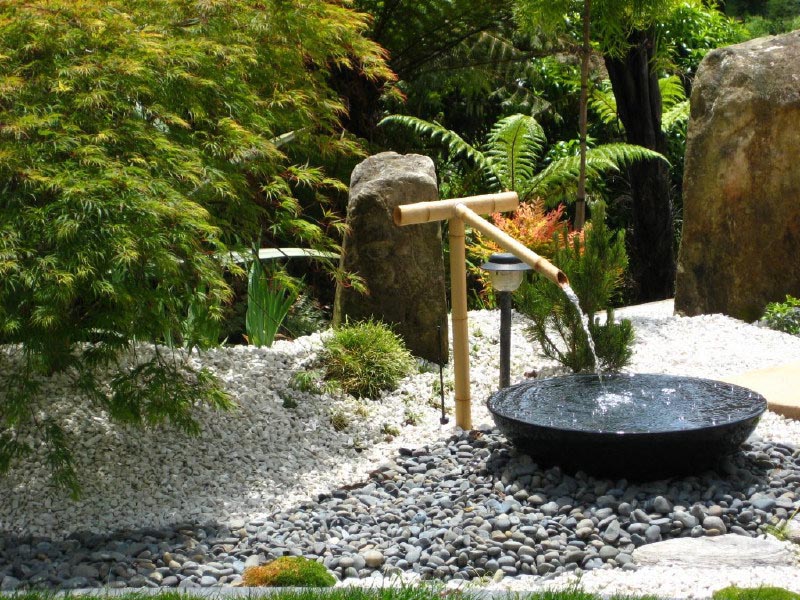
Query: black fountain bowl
point(644, 426)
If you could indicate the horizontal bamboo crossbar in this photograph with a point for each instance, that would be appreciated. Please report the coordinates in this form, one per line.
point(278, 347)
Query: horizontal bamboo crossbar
point(441, 210)
point(542, 265)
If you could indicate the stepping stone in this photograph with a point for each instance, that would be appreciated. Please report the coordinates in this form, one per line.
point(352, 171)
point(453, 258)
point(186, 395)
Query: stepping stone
point(716, 552)
point(780, 385)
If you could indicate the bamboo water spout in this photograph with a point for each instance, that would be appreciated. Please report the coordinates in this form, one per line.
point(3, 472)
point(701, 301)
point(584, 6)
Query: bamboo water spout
point(459, 211)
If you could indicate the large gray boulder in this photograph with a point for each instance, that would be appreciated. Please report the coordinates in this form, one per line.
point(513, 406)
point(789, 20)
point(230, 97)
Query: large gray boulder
point(401, 266)
point(741, 187)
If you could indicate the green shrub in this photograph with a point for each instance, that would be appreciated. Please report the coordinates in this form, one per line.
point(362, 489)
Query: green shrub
point(759, 593)
point(287, 400)
point(595, 267)
point(365, 358)
point(784, 316)
point(288, 571)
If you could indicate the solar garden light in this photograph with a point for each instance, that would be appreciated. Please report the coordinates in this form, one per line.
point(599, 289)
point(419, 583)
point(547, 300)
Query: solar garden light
point(506, 272)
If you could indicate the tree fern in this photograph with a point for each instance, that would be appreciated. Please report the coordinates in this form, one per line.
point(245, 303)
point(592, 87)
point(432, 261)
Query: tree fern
point(672, 91)
point(673, 103)
point(604, 104)
point(558, 179)
point(511, 154)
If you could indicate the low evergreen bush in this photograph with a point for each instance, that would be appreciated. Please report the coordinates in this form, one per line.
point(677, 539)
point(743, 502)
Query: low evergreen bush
point(595, 267)
point(365, 358)
point(288, 571)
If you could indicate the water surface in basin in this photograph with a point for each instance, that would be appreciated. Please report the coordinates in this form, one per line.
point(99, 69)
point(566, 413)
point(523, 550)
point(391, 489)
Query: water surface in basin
point(641, 403)
point(642, 425)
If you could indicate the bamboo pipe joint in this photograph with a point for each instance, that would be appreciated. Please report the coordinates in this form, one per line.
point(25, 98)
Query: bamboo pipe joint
point(540, 264)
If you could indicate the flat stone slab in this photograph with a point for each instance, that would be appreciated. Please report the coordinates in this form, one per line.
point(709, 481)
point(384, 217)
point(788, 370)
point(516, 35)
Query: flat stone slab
point(716, 552)
point(780, 385)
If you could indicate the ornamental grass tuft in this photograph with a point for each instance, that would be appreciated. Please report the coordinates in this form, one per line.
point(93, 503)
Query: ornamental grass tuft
point(365, 358)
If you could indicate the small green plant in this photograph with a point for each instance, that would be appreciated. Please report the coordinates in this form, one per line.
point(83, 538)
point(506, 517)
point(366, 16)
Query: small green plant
point(780, 529)
point(449, 386)
point(268, 303)
point(595, 267)
point(202, 328)
point(305, 381)
point(288, 571)
point(390, 429)
point(411, 418)
point(435, 399)
point(759, 593)
point(288, 401)
point(304, 317)
point(784, 316)
point(365, 358)
point(339, 420)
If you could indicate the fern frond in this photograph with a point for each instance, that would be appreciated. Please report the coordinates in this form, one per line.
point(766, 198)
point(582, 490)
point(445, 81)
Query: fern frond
point(678, 115)
point(456, 146)
point(672, 92)
point(604, 104)
point(513, 148)
point(563, 173)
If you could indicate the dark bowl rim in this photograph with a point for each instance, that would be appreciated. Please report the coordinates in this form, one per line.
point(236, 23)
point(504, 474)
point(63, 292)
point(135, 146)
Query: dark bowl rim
point(756, 414)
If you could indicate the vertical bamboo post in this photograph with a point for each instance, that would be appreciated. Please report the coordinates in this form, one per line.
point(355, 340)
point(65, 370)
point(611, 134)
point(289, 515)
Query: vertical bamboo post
point(460, 211)
point(458, 312)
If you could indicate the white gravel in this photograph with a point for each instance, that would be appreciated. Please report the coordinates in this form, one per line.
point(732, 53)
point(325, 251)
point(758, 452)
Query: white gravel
point(264, 457)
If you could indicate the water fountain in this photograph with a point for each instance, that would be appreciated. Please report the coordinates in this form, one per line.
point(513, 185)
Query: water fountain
point(639, 425)
point(643, 425)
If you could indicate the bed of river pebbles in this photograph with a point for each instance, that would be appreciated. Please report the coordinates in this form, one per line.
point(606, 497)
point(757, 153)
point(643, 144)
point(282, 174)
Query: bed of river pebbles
point(464, 508)
point(446, 505)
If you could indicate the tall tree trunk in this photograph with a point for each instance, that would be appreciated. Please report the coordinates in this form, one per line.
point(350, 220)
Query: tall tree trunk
point(586, 50)
point(639, 108)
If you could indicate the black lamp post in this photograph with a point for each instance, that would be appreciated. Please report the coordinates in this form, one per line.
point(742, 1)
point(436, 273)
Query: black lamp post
point(505, 272)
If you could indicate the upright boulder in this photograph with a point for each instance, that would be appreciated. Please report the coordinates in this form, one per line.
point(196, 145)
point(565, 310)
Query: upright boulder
point(401, 266)
point(741, 188)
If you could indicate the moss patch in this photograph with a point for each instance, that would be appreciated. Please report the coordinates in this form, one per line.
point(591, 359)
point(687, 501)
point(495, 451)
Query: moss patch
point(288, 571)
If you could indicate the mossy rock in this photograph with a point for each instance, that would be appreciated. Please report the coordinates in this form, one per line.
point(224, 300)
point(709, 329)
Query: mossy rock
point(288, 571)
point(759, 593)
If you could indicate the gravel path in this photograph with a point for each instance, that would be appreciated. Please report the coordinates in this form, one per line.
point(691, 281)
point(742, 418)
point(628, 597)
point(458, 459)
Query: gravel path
point(250, 465)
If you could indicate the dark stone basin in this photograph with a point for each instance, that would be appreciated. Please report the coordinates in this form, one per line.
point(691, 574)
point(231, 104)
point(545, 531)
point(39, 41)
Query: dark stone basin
point(640, 425)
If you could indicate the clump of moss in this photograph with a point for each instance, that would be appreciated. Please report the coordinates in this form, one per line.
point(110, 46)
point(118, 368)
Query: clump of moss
point(288, 571)
point(761, 593)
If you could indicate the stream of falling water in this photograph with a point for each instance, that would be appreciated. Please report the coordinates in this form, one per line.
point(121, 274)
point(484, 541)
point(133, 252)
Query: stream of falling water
point(573, 297)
